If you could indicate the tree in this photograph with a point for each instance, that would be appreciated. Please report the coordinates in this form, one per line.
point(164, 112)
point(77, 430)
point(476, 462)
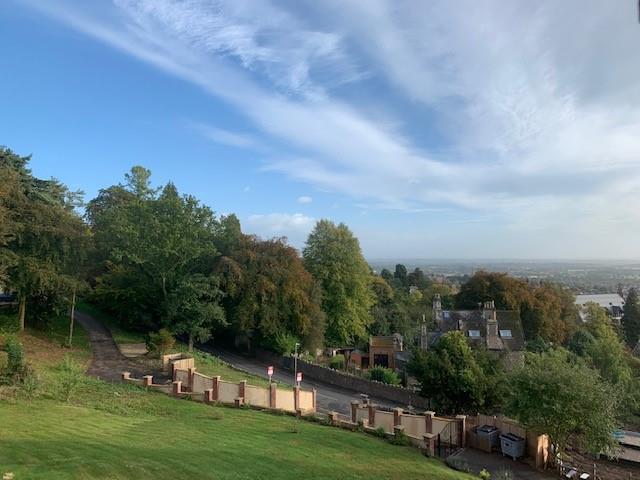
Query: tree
point(564, 399)
point(151, 243)
point(271, 298)
point(194, 308)
point(400, 274)
point(333, 256)
point(451, 376)
point(42, 239)
point(631, 318)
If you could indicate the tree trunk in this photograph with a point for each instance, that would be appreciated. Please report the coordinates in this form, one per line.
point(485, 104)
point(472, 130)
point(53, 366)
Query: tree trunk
point(190, 342)
point(71, 320)
point(164, 287)
point(22, 310)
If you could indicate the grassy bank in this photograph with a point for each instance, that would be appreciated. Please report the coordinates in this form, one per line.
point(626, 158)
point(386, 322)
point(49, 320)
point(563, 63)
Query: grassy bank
point(119, 431)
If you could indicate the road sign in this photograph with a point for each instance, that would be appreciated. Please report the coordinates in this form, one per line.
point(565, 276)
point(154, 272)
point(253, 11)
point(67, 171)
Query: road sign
point(270, 370)
point(299, 377)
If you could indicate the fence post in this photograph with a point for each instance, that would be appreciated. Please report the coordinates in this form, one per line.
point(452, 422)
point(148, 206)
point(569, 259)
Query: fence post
point(126, 375)
point(462, 425)
point(372, 415)
point(313, 398)
point(354, 411)
point(192, 372)
point(216, 389)
point(397, 416)
point(147, 380)
point(272, 395)
point(428, 416)
point(242, 388)
point(208, 395)
point(177, 387)
point(430, 444)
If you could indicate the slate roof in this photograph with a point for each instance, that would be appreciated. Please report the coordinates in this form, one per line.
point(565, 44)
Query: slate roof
point(466, 320)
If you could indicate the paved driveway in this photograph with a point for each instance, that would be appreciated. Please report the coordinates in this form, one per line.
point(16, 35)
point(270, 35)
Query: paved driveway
point(494, 462)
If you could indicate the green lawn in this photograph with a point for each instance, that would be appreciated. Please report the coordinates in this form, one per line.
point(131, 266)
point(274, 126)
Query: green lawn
point(121, 431)
point(172, 439)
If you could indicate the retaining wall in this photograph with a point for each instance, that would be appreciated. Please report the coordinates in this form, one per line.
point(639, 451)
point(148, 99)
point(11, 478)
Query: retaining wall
point(347, 381)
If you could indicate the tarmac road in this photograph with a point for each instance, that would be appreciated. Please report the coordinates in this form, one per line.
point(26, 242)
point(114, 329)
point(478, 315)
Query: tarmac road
point(329, 398)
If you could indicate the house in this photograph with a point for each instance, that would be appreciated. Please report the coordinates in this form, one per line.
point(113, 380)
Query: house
point(613, 303)
point(497, 330)
point(384, 351)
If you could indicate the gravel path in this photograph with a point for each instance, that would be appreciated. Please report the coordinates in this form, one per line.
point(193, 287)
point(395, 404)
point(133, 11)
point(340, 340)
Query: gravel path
point(107, 363)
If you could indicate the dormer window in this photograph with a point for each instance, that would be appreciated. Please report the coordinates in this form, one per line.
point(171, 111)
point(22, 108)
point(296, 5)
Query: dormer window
point(506, 334)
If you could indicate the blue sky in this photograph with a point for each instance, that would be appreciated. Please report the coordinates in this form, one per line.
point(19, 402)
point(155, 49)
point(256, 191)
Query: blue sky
point(433, 129)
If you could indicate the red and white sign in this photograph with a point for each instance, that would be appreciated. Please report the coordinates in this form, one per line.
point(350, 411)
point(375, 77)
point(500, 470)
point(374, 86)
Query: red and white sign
point(270, 370)
point(299, 377)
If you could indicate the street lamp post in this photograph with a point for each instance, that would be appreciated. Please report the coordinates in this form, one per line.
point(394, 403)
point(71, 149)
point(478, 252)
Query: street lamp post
point(295, 364)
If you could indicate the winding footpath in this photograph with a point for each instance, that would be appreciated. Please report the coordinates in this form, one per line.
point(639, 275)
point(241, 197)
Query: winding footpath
point(107, 363)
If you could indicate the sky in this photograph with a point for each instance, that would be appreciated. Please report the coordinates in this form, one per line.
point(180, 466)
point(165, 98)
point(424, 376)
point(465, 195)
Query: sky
point(432, 129)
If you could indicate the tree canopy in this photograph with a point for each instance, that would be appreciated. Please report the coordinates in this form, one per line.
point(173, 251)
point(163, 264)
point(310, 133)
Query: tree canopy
point(333, 256)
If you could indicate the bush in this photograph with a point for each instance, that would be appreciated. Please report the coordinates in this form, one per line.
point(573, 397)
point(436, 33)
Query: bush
point(337, 362)
point(282, 343)
point(30, 385)
point(71, 376)
point(160, 343)
point(484, 474)
point(380, 432)
point(15, 356)
point(459, 464)
point(383, 375)
point(400, 438)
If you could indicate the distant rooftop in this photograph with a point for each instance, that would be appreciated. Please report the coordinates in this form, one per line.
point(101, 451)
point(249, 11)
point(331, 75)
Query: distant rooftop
point(605, 300)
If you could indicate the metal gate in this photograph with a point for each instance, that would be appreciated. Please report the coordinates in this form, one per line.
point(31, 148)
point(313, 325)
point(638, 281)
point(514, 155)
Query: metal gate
point(448, 440)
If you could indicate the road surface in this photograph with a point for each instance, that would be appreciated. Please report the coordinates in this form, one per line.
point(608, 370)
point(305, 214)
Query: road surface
point(329, 398)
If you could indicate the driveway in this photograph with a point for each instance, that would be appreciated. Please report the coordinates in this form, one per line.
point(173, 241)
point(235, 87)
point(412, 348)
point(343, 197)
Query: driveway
point(328, 397)
point(107, 362)
point(494, 462)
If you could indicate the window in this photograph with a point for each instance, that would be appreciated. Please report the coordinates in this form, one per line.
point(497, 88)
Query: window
point(474, 333)
point(446, 314)
point(505, 333)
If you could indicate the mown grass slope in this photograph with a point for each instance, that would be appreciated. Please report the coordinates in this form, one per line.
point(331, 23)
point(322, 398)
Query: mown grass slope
point(119, 431)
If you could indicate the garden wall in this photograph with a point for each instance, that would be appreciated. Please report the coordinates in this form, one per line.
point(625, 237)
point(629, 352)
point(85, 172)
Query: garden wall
point(213, 389)
point(377, 390)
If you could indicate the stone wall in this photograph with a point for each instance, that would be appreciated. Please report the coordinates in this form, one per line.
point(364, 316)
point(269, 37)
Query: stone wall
point(380, 391)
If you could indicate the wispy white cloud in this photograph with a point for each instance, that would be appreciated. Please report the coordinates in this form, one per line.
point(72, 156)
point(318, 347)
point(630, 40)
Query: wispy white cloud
point(226, 137)
point(304, 199)
point(539, 125)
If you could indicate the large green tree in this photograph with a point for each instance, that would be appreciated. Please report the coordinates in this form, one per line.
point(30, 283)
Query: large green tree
point(272, 300)
point(452, 377)
point(42, 240)
point(151, 243)
point(567, 400)
point(631, 318)
point(332, 254)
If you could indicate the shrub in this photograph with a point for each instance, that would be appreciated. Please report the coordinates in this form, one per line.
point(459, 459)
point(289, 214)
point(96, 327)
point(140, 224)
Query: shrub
point(384, 375)
point(337, 362)
point(458, 463)
point(380, 432)
point(400, 438)
point(161, 342)
point(484, 474)
point(30, 386)
point(15, 356)
point(282, 343)
point(70, 377)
